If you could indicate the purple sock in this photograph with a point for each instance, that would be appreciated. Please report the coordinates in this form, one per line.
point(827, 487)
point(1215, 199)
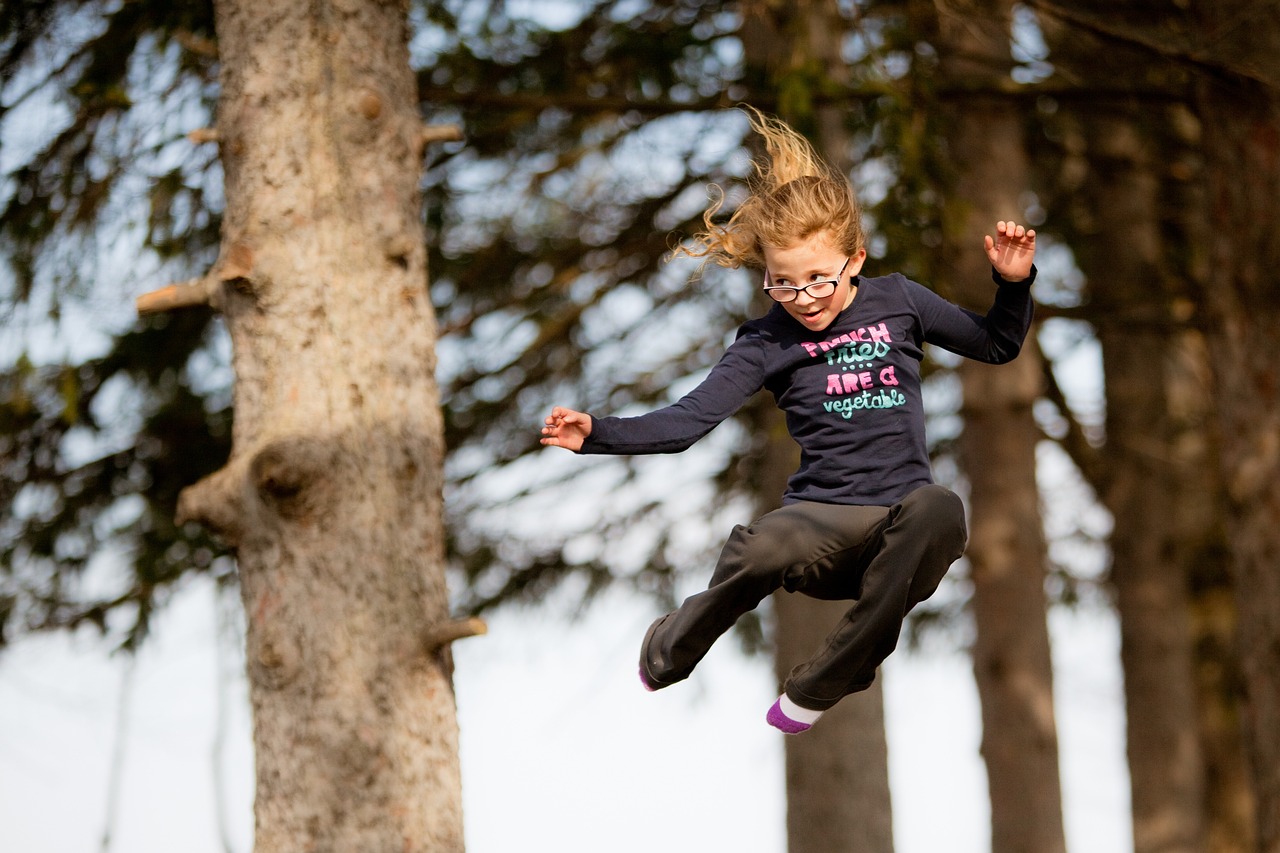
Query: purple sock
point(783, 716)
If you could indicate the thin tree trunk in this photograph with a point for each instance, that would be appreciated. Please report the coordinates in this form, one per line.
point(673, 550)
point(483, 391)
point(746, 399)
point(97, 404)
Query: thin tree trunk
point(1007, 552)
point(837, 773)
point(1238, 100)
point(332, 495)
point(1011, 656)
point(1145, 486)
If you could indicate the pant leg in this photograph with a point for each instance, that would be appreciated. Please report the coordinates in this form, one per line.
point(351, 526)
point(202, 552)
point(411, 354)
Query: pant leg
point(923, 535)
point(801, 546)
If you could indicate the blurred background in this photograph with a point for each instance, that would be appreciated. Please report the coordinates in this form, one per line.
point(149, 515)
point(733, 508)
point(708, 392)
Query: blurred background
point(1096, 674)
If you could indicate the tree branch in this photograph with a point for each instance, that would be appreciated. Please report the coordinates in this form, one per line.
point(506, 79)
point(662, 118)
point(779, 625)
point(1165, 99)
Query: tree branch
point(447, 632)
point(186, 294)
point(1143, 41)
point(201, 135)
point(440, 133)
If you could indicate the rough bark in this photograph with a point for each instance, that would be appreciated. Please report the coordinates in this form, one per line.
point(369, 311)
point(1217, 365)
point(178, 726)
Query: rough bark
point(1007, 553)
point(332, 495)
point(1238, 101)
point(837, 773)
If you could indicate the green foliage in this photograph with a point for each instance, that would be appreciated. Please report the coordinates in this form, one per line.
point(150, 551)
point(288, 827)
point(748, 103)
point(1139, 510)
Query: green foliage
point(69, 497)
point(97, 444)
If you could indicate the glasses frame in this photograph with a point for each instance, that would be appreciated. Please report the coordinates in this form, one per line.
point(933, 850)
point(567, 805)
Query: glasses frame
point(791, 294)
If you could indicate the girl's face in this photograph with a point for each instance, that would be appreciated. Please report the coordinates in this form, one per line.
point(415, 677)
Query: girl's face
point(814, 260)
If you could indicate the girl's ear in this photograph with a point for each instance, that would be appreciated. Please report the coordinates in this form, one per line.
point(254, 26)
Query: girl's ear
point(856, 262)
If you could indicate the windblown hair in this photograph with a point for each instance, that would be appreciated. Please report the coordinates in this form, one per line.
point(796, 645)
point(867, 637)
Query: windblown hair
point(793, 194)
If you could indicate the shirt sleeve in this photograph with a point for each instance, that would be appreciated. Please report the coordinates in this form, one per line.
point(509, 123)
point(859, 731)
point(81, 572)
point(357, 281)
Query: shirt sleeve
point(995, 338)
point(736, 377)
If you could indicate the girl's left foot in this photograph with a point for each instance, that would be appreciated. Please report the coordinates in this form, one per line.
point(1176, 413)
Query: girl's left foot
point(789, 718)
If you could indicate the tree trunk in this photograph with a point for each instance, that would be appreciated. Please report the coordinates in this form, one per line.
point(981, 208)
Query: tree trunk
point(838, 795)
point(837, 773)
point(1238, 100)
point(1136, 217)
point(332, 495)
point(1007, 556)
point(1146, 486)
point(1007, 553)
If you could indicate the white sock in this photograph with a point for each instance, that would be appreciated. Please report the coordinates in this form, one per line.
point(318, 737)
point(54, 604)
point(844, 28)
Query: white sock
point(795, 712)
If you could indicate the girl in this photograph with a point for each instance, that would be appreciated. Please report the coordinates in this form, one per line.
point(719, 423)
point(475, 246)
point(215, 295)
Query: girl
point(861, 519)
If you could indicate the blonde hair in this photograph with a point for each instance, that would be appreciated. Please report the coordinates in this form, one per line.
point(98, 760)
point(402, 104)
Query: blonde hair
point(793, 194)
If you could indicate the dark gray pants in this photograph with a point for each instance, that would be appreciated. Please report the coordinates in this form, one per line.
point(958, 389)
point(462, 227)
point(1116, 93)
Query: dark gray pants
point(886, 559)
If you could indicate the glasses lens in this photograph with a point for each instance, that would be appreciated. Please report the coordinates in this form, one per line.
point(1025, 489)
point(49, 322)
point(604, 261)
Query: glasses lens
point(821, 289)
point(781, 294)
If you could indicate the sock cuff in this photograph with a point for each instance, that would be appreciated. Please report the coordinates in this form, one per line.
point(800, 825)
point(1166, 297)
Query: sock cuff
point(795, 712)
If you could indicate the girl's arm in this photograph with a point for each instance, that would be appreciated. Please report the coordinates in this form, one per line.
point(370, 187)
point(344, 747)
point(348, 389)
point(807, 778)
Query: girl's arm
point(733, 381)
point(996, 337)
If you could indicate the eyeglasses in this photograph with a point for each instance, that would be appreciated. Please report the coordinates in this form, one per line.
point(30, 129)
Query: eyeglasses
point(816, 289)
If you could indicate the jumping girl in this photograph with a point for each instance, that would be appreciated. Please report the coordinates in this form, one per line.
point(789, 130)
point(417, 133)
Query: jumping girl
point(861, 519)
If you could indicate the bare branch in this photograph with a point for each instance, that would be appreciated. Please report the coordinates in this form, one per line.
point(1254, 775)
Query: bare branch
point(201, 135)
point(186, 294)
point(196, 44)
point(440, 133)
point(443, 634)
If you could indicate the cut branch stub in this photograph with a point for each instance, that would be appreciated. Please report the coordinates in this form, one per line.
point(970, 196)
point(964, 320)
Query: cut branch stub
point(235, 267)
point(433, 133)
point(445, 633)
point(186, 294)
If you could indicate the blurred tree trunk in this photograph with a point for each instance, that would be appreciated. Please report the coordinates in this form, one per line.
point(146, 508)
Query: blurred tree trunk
point(838, 796)
point(1238, 100)
point(837, 773)
point(332, 495)
point(1007, 552)
point(1150, 463)
point(1136, 217)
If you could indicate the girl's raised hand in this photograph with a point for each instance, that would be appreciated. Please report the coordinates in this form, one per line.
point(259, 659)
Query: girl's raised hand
point(1012, 251)
point(566, 428)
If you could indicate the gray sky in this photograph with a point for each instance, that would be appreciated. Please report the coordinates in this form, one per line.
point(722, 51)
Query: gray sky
point(562, 750)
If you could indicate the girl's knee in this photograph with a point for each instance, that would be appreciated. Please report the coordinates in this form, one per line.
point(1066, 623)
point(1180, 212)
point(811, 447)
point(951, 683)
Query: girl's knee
point(939, 510)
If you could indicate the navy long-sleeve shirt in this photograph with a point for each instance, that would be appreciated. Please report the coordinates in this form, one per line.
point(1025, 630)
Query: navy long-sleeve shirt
point(851, 392)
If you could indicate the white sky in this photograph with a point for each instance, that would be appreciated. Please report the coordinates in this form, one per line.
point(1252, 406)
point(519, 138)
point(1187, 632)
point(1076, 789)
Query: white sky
point(562, 750)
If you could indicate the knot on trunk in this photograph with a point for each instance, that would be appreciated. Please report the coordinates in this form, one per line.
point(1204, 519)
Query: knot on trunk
point(275, 658)
point(293, 476)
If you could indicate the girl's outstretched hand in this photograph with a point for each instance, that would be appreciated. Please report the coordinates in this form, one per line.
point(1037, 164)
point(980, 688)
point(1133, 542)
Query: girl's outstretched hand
point(1012, 251)
point(566, 428)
